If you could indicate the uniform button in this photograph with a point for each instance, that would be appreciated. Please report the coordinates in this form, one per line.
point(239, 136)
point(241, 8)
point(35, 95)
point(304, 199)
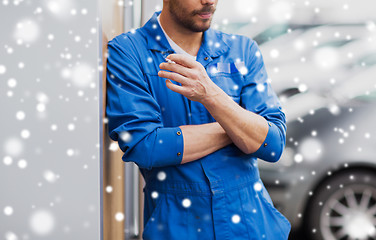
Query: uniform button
point(270, 124)
point(179, 153)
point(265, 144)
point(178, 133)
point(206, 58)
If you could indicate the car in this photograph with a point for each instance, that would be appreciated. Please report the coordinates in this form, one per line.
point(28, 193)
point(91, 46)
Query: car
point(325, 181)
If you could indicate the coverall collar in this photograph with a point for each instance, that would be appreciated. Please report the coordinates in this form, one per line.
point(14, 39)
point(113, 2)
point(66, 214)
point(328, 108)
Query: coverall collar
point(212, 45)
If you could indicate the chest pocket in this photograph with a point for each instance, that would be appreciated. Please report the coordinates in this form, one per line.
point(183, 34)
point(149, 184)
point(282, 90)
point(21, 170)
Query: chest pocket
point(230, 83)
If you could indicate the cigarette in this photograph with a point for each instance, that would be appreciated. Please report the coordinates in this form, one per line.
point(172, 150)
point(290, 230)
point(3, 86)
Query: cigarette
point(169, 61)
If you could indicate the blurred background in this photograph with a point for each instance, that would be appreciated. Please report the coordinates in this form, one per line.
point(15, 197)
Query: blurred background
point(63, 178)
point(50, 120)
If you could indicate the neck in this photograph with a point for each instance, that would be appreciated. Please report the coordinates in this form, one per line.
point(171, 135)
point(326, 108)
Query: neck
point(188, 40)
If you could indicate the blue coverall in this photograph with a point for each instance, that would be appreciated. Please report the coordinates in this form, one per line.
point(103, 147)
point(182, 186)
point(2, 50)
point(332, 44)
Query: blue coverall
point(221, 195)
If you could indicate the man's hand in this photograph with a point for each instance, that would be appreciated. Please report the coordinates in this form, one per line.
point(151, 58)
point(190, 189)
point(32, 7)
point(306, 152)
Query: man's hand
point(195, 82)
point(246, 129)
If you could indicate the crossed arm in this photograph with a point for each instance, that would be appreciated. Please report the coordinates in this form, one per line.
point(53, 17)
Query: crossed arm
point(245, 129)
point(201, 140)
point(152, 145)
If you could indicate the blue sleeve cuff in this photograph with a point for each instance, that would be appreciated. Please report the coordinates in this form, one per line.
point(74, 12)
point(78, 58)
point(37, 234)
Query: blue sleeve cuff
point(272, 147)
point(168, 147)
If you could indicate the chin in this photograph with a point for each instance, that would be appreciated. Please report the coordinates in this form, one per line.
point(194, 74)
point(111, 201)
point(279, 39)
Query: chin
point(202, 27)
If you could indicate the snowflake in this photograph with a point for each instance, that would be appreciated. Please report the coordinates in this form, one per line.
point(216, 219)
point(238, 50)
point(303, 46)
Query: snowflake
point(42, 222)
point(235, 218)
point(186, 202)
point(10, 236)
point(50, 176)
point(70, 152)
point(274, 53)
point(161, 176)
point(8, 210)
point(26, 31)
point(154, 194)
point(257, 186)
point(2, 69)
point(25, 133)
point(298, 158)
point(22, 163)
point(13, 146)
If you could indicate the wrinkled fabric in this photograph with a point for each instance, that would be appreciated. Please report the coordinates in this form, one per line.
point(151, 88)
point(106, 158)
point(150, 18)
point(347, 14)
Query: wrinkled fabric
point(221, 195)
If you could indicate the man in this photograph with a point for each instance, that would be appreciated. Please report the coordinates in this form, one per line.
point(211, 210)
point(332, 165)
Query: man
point(193, 108)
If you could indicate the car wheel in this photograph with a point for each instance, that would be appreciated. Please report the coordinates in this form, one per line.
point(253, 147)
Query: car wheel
point(344, 207)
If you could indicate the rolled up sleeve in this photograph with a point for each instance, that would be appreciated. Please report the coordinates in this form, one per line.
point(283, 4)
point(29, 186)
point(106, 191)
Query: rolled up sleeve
point(134, 117)
point(272, 147)
point(257, 96)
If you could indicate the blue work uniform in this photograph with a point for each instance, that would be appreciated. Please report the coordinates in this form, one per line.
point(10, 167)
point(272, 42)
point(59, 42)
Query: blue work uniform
point(221, 195)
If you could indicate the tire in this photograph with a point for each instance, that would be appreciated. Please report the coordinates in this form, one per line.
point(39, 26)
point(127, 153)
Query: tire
point(343, 207)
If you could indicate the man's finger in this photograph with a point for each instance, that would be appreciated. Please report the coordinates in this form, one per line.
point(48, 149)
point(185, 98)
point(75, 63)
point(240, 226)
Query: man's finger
point(173, 76)
point(174, 87)
point(173, 67)
point(182, 60)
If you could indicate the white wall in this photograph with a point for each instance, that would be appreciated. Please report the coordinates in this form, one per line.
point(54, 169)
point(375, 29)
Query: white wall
point(49, 141)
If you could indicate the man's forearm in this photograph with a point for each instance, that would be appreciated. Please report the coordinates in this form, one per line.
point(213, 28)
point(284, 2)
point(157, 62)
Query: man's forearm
point(247, 129)
point(201, 140)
